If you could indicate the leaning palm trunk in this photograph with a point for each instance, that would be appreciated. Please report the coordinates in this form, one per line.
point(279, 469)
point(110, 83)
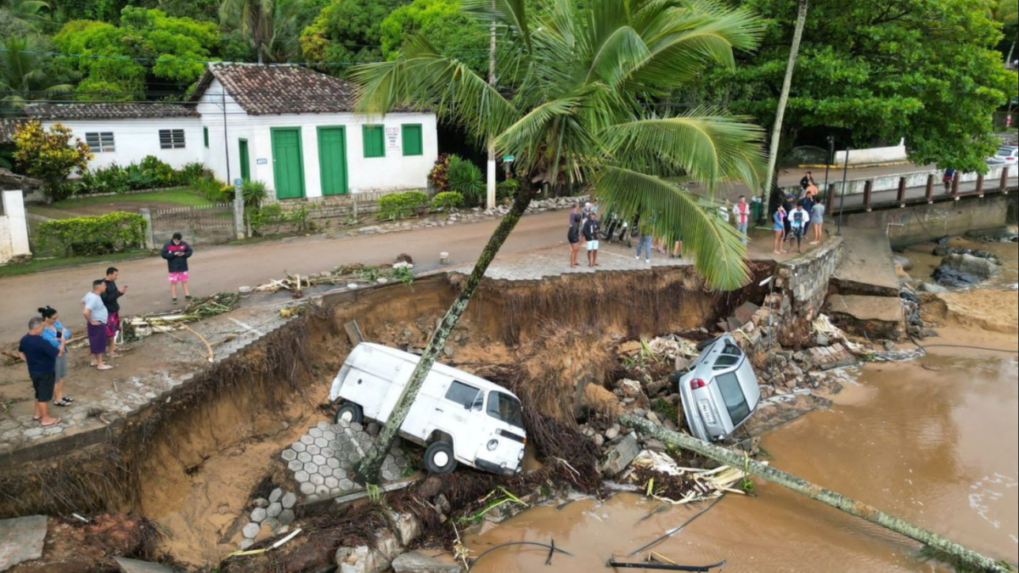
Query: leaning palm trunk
point(371, 466)
point(934, 541)
point(783, 100)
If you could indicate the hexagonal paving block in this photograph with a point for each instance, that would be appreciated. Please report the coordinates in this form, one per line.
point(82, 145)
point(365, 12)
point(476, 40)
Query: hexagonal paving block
point(354, 458)
point(315, 433)
point(323, 426)
point(329, 435)
point(289, 455)
point(307, 440)
point(332, 483)
point(317, 479)
point(295, 466)
point(322, 443)
point(275, 497)
point(287, 517)
point(328, 452)
point(274, 510)
point(311, 468)
point(340, 473)
point(251, 530)
point(299, 447)
point(258, 515)
point(320, 460)
point(304, 457)
point(302, 476)
point(289, 501)
point(314, 450)
point(346, 485)
point(322, 491)
point(333, 463)
point(307, 489)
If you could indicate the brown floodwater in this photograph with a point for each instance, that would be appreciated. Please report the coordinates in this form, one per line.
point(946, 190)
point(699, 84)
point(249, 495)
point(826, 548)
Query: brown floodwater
point(934, 441)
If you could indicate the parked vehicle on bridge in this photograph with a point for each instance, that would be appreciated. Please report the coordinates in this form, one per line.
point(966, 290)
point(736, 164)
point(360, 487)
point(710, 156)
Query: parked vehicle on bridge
point(720, 390)
point(458, 417)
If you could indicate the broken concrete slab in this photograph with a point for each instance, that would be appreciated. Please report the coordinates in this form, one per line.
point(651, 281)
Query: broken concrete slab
point(21, 540)
point(621, 453)
point(874, 316)
point(361, 560)
point(132, 566)
point(421, 563)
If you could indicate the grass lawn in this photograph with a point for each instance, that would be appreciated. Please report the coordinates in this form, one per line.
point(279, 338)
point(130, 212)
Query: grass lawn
point(39, 265)
point(183, 197)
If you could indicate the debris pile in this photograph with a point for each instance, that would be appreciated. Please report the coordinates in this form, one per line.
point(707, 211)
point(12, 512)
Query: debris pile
point(350, 276)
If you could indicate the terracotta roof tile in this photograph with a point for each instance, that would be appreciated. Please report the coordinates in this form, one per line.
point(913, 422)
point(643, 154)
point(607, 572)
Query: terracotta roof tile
point(280, 89)
point(106, 110)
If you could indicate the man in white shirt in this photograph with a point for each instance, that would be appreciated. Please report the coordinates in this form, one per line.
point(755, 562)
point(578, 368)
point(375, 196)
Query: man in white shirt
point(96, 317)
point(742, 213)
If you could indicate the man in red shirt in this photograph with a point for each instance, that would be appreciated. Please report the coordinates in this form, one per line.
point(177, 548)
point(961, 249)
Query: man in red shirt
point(742, 213)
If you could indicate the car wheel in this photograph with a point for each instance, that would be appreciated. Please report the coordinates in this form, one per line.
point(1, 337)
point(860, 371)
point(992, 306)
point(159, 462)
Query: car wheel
point(439, 458)
point(349, 413)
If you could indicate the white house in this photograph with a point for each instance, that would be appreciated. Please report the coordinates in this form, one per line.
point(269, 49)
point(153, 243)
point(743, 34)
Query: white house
point(288, 126)
point(295, 129)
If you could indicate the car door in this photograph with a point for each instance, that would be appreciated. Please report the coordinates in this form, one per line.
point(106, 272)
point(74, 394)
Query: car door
point(502, 430)
point(454, 416)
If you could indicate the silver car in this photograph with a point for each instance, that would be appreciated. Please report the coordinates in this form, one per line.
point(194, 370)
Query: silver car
point(720, 390)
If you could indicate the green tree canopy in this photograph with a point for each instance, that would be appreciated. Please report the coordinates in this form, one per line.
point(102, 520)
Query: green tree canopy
point(346, 32)
point(450, 29)
point(925, 70)
point(27, 74)
point(115, 61)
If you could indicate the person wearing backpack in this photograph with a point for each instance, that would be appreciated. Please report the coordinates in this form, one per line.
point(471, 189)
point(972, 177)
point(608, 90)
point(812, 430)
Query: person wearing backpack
point(798, 221)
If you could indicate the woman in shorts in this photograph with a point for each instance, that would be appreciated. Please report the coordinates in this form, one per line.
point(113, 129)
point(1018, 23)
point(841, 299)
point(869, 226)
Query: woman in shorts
point(55, 333)
point(779, 218)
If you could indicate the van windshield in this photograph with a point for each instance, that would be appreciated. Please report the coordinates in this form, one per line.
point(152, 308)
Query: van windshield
point(506, 408)
point(735, 400)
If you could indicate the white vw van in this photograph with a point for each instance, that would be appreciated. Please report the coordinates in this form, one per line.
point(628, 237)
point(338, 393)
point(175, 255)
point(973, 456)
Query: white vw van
point(457, 416)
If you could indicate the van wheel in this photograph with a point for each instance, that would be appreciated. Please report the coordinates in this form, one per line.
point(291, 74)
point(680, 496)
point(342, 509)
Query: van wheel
point(350, 413)
point(439, 458)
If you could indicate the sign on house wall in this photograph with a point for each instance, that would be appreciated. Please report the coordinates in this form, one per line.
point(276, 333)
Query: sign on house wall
point(393, 138)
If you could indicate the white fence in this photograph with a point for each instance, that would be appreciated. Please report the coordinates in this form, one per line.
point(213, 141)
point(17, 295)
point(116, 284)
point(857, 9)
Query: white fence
point(874, 155)
point(13, 228)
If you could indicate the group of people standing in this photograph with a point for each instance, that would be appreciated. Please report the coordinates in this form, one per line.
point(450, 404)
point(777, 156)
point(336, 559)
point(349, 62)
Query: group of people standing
point(796, 218)
point(44, 349)
point(585, 228)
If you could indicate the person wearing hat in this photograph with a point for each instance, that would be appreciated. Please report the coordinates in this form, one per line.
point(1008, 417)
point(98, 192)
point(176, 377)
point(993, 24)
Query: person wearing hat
point(177, 252)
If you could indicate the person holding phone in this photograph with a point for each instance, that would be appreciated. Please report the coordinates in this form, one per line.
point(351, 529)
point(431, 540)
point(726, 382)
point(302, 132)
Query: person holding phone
point(111, 298)
point(177, 252)
point(96, 316)
point(59, 337)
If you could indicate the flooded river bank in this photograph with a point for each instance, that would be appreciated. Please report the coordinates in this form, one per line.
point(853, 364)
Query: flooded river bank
point(933, 441)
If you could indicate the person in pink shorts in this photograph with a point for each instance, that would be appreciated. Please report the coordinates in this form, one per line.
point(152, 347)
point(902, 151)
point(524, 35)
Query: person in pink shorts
point(177, 252)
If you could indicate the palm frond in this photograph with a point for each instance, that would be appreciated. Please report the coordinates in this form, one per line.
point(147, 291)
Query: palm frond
point(422, 77)
point(703, 143)
point(511, 13)
point(674, 213)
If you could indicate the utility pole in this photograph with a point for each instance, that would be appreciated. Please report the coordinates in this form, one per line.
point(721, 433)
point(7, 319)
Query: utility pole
point(827, 167)
point(238, 191)
point(845, 177)
point(490, 203)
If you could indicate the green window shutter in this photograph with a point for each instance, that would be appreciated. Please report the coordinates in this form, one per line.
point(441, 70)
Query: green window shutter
point(205, 134)
point(374, 141)
point(413, 140)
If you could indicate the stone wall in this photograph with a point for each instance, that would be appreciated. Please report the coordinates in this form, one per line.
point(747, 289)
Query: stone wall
point(923, 223)
point(1013, 210)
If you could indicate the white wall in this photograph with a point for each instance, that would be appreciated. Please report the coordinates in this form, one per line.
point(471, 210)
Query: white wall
point(136, 139)
point(874, 155)
point(13, 227)
point(392, 172)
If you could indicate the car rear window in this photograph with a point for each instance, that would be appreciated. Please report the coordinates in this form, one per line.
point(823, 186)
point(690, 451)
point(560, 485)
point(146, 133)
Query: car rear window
point(463, 394)
point(731, 356)
point(735, 400)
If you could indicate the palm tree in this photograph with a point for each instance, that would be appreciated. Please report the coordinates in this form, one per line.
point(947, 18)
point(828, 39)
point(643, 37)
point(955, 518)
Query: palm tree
point(574, 109)
point(282, 44)
point(253, 18)
point(22, 76)
point(29, 12)
point(783, 100)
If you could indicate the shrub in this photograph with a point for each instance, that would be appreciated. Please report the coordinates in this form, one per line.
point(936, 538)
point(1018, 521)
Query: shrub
point(191, 173)
point(507, 190)
point(154, 173)
point(99, 235)
point(400, 205)
point(439, 177)
point(212, 189)
point(449, 201)
point(112, 179)
point(50, 156)
point(466, 178)
point(267, 219)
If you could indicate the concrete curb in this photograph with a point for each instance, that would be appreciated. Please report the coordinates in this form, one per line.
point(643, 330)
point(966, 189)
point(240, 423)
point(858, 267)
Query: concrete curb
point(852, 167)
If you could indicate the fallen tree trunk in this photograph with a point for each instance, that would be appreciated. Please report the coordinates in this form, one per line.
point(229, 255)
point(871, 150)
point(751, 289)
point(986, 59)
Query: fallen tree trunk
point(939, 544)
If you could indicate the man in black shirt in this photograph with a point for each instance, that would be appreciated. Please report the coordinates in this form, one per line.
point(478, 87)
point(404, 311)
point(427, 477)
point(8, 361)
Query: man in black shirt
point(41, 358)
point(807, 181)
point(592, 232)
point(111, 299)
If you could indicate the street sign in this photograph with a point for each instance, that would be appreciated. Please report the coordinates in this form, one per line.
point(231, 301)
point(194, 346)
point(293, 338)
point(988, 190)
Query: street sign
point(508, 159)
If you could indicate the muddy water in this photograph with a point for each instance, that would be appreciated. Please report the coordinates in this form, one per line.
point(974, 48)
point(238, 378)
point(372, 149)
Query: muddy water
point(933, 441)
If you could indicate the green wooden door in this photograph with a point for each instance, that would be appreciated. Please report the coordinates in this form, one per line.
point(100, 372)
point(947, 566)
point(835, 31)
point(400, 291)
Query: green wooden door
point(245, 160)
point(332, 159)
point(288, 163)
